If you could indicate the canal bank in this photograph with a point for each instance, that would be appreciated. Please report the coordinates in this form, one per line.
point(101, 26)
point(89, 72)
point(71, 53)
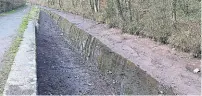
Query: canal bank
point(131, 64)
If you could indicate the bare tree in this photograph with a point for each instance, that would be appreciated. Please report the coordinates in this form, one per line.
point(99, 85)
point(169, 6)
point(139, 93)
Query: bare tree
point(95, 4)
point(120, 9)
point(175, 10)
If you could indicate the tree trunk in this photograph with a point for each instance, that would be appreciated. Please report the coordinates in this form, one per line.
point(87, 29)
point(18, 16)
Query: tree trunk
point(174, 10)
point(120, 9)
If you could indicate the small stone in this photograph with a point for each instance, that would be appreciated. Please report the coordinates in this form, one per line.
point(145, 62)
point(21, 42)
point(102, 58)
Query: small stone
point(196, 70)
point(161, 92)
point(114, 81)
point(61, 34)
point(89, 84)
point(110, 72)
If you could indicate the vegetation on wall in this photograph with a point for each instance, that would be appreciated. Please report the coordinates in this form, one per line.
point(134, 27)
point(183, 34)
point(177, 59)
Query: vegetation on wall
point(175, 22)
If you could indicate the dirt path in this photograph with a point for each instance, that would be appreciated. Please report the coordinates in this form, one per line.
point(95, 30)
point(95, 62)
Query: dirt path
point(60, 70)
point(9, 24)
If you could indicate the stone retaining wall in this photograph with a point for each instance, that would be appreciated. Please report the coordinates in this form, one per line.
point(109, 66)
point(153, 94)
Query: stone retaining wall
point(124, 75)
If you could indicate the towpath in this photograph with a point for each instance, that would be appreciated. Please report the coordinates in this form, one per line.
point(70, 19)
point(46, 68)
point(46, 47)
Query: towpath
point(9, 23)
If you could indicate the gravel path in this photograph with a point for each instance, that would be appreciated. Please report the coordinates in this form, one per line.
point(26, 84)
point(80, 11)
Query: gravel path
point(60, 70)
point(9, 24)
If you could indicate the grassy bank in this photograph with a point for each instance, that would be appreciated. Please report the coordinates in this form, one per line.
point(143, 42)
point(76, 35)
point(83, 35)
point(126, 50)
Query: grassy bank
point(12, 11)
point(11, 53)
point(175, 22)
point(8, 12)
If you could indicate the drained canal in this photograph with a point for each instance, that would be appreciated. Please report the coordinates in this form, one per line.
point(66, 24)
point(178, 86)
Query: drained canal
point(60, 69)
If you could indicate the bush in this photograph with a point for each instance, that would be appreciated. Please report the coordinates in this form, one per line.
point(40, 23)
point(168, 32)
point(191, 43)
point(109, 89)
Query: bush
point(161, 20)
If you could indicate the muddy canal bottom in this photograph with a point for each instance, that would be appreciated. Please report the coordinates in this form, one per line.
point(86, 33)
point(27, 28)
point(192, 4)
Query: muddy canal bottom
point(61, 70)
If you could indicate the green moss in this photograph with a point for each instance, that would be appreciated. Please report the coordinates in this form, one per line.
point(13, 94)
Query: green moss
point(12, 11)
point(128, 91)
point(8, 12)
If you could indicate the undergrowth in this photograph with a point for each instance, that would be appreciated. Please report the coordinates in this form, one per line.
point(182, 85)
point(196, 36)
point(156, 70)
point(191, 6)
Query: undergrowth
point(174, 22)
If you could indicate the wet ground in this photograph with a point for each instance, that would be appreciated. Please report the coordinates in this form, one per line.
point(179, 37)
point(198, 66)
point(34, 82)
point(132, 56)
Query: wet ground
point(61, 70)
point(9, 24)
